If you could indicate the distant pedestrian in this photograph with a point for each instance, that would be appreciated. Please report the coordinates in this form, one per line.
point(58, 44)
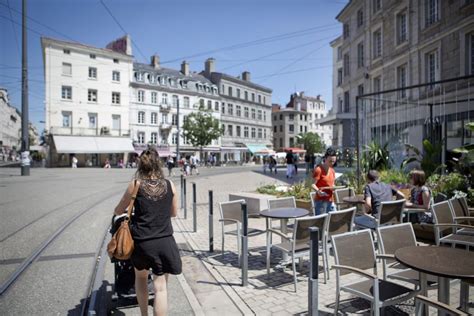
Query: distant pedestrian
point(107, 164)
point(74, 162)
point(307, 160)
point(170, 165)
point(152, 231)
point(290, 167)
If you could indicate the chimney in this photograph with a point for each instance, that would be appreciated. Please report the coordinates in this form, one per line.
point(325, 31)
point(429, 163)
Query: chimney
point(185, 68)
point(246, 76)
point(318, 97)
point(155, 61)
point(209, 66)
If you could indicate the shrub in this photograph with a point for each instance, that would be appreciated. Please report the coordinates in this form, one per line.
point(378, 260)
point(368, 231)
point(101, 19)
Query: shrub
point(268, 189)
point(448, 184)
point(350, 179)
point(395, 177)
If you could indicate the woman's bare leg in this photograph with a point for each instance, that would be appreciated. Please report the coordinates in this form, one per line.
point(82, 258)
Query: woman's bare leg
point(160, 285)
point(141, 289)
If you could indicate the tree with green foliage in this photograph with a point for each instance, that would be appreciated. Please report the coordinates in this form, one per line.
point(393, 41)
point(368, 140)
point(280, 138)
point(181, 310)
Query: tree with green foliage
point(201, 128)
point(312, 142)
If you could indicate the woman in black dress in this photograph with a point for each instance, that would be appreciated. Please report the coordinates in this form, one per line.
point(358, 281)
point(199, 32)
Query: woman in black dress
point(155, 247)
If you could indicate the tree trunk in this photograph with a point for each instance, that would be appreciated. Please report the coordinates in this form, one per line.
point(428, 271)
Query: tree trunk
point(201, 157)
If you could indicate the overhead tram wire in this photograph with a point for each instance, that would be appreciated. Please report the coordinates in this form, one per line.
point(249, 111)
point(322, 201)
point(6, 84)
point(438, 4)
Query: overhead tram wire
point(42, 24)
point(296, 61)
point(14, 30)
point(258, 41)
point(276, 53)
point(123, 30)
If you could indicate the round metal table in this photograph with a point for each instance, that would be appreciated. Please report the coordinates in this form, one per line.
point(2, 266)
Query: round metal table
point(356, 199)
point(283, 214)
point(446, 263)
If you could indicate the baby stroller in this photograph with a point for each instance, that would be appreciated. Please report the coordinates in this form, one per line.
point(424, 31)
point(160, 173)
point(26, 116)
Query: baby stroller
point(124, 274)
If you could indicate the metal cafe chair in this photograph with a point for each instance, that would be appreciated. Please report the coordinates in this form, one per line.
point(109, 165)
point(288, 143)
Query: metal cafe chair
point(390, 239)
point(231, 215)
point(297, 246)
point(354, 252)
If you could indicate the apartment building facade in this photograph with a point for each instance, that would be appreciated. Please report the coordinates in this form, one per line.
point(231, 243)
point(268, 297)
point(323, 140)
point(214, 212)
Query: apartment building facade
point(287, 124)
point(87, 101)
point(395, 44)
point(245, 111)
point(156, 94)
point(315, 108)
point(10, 123)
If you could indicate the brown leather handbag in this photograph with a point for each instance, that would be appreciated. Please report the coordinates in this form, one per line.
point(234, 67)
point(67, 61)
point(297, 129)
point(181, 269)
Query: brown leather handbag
point(121, 245)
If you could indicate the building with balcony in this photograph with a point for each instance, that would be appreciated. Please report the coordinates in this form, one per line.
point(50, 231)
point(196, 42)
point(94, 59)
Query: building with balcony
point(245, 111)
point(87, 101)
point(156, 94)
point(393, 45)
point(315, 109)
point(10, 125)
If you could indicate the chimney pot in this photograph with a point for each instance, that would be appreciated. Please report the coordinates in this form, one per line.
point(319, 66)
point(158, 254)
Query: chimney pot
point(185, 68)
point(246, 76)
point(209, 66)
point(155, 61)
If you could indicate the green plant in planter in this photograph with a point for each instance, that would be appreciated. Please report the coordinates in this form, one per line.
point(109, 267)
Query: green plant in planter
point(299, 190)
point(448, 184)
point(268, 189)
point(376, 157)
point(395, 177)
point(350, 179)
point(427, 160)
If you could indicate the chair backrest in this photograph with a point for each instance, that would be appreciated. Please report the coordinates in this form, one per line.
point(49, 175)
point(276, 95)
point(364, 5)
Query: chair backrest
point(457, 207)
point(442, 213)
point(301, 234)
point(465, 207)
point(394, 237)
point(342, 193)
point(440, 198)
point(391, 212)
point(340, 222)
point(441, 307)
point(281, 202)
point(355, 249)
point(231, 210)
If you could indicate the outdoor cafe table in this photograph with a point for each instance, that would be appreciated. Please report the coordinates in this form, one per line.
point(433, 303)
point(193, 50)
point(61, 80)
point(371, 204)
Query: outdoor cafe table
point(283, 214)
point(443, 262)
point(356, 200)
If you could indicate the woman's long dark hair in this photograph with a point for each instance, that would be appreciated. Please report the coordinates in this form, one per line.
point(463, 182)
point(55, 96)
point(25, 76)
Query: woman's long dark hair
point(149, 165)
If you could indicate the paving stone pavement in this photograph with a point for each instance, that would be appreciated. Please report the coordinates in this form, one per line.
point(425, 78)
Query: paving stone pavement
point(271, 294)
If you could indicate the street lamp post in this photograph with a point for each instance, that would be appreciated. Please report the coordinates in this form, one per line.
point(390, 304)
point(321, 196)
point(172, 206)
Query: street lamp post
point(25, 142)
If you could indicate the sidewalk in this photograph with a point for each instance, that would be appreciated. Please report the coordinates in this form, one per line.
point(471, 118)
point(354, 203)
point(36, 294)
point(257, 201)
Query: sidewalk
point(265, 295)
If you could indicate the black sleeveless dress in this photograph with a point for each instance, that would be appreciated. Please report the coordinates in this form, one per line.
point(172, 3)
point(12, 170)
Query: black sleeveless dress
point(152, 230)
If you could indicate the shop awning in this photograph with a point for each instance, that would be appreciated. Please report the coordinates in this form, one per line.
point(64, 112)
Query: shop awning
point(256, 147)
point(92, 145)
point(232, 149)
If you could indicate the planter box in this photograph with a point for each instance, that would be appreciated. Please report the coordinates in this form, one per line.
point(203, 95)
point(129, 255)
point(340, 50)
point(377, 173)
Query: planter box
point(306, 204)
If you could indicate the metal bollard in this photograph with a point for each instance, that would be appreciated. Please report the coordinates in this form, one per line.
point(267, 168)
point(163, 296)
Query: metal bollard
point(194, 208)
point(182, 203)
point(313, 272)
point(245, 247)
point(211, 221)
point(185, 198)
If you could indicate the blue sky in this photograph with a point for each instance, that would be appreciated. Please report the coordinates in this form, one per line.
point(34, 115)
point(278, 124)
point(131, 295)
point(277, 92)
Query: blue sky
point(181, 29)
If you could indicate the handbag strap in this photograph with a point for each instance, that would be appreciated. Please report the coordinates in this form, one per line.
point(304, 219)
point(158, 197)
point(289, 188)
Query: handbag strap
point(136, 185)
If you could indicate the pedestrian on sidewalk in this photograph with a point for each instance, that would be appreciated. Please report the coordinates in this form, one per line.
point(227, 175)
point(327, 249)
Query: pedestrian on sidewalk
point(74, 162)
point(170, 165)
point(152, 231)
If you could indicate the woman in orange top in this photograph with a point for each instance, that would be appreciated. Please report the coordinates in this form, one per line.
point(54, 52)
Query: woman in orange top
point(325, 176)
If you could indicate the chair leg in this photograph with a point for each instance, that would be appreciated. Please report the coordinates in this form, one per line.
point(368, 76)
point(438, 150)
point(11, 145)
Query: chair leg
point(239, 250)
point(336, 305)
point(223, 240)
point(324, 266)
point(327, 259)
point(293, 263)
point(464, 297)
point(269, 247)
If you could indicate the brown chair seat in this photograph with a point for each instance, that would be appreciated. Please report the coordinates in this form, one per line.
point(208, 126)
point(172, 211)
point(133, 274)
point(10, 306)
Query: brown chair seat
point(461, 239)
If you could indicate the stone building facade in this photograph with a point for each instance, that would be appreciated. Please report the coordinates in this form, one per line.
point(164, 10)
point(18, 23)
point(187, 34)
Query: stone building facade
point(394, 44)
point(156, 94)
point(10, 124)
point(245, 114)
point(87, 101)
